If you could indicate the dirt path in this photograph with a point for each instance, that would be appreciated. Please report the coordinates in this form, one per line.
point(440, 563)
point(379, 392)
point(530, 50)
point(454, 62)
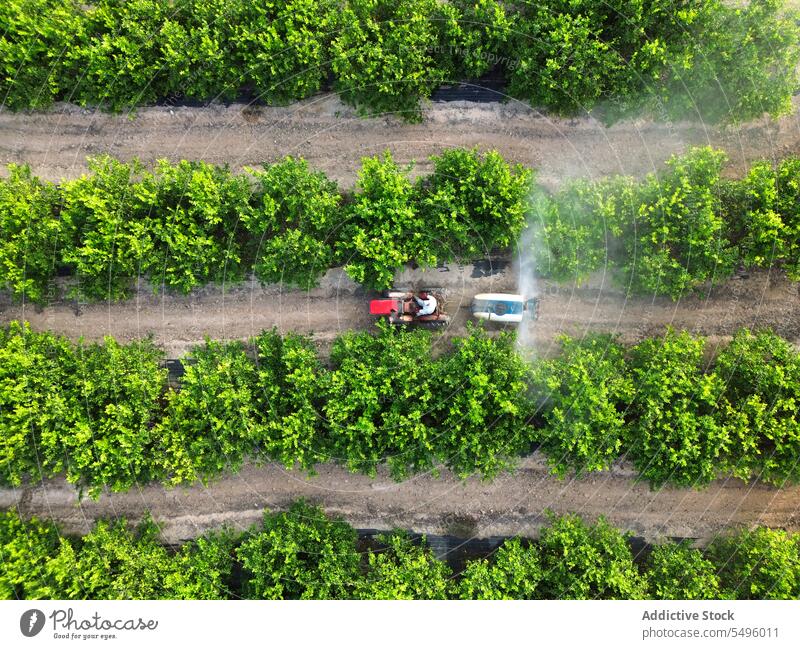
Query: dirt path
point(330, 136)
point(178, 322)
point(511, 504)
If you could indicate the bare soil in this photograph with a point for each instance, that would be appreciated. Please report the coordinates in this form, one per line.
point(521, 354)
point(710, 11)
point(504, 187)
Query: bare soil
point(179, 322)
point(332, 138)
point(329, 135)
point(511, 504)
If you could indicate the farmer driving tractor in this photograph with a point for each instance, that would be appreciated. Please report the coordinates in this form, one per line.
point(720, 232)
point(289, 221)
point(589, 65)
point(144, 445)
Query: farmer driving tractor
point(424, 303)
point(405, 307)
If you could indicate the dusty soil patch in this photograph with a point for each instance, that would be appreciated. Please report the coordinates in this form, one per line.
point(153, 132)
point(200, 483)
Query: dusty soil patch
point(511, 504)
point(332, 138)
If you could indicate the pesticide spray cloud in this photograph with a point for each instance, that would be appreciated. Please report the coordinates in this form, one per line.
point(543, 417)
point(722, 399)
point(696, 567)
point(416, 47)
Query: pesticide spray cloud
point(528, 252)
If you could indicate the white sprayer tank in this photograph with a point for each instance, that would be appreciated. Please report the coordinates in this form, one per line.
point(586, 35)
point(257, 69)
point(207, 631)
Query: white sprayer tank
point(499, 307)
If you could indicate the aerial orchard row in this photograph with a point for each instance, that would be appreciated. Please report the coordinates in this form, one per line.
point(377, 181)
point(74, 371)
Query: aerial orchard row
point(303, 554)
point(188, 224)
point(105, 415)
point(701, 59)
point(676, 230)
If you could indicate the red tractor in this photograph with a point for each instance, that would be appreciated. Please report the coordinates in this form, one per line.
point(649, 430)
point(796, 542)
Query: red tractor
point(406, 307)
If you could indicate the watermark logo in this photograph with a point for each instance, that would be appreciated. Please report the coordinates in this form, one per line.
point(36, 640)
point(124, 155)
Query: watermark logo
point(31, 622)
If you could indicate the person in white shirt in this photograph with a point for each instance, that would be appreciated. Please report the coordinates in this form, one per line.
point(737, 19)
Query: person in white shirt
point(426, 303)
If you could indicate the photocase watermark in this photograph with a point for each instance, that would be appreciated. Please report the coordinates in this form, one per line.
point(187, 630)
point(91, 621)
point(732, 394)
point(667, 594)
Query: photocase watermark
point(31, 622)
point(67, 626)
